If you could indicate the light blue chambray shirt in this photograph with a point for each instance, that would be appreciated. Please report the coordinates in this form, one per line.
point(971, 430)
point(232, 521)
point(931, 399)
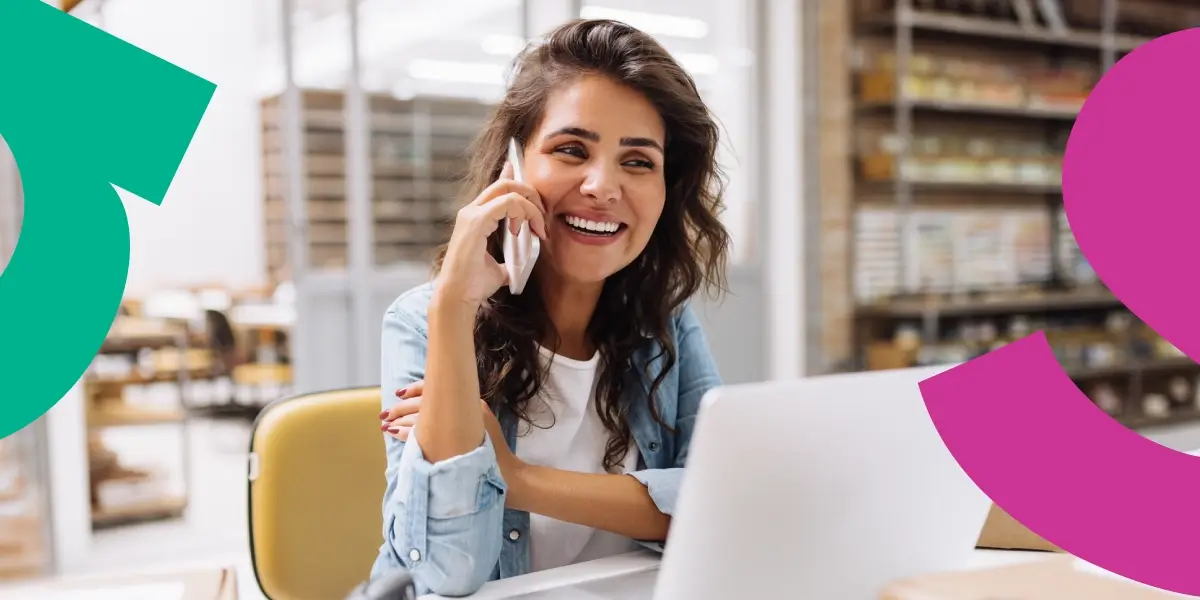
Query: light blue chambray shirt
point(446, 522)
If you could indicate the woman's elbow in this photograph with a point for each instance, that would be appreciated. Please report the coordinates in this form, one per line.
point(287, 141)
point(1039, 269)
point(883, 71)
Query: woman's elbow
point(456, 556)
point(454, 570)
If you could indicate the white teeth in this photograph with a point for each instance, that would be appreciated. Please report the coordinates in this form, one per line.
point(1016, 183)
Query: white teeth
point(597, 226)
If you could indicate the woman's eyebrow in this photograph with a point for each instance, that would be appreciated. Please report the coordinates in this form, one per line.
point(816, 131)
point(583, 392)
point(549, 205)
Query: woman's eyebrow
point(641, 142)
point(592, 136)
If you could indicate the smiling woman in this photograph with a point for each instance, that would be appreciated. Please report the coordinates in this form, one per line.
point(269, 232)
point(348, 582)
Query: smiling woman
point(591, 379)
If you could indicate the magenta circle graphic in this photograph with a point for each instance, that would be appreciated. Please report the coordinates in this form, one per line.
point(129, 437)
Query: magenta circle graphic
point(1014, 420)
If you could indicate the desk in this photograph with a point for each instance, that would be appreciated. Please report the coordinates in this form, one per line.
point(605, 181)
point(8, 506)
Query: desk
point(646, 561)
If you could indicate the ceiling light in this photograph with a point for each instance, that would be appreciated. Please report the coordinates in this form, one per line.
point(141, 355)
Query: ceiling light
point(458, 72)
point(651, 23)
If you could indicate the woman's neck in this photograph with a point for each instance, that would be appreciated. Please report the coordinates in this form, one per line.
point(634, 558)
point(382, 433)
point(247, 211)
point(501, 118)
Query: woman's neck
point(570, 307)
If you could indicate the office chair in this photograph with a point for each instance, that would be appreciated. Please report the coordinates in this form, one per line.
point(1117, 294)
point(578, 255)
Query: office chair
point(316, 485)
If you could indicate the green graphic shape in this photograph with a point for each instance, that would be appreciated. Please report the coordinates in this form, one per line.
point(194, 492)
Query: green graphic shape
point(81, 111)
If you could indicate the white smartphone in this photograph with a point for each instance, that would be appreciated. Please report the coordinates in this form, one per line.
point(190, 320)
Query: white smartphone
point(520, 251)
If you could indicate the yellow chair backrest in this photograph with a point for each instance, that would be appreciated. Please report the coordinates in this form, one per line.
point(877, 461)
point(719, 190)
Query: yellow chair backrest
point(316, 486)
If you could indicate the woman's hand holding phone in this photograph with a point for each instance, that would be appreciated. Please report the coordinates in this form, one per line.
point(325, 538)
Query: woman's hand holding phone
point(469, 273)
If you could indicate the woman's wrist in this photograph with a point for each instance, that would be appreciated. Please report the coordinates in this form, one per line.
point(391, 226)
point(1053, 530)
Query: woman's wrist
point(516, 475)
point(452, 303)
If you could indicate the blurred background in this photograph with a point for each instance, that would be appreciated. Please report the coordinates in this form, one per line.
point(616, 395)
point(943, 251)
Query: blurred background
point(895, 200)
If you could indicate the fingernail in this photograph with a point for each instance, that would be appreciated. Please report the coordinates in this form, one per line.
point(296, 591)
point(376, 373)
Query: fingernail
point(401, 392)
point(384, 427)
point(383, 415)
point(394, 430)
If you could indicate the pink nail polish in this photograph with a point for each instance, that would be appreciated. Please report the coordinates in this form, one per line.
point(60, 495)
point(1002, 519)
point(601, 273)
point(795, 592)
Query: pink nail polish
point(394, 430)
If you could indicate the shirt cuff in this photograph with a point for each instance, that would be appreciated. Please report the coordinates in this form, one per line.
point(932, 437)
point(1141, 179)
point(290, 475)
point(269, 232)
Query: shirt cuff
point(451, 487)
point(663, 485)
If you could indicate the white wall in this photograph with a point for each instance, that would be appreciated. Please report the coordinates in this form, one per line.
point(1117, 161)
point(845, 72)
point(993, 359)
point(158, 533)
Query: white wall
point(209, 228)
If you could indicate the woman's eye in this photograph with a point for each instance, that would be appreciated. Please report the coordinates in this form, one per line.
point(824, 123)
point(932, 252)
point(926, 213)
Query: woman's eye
point(572, 150)
point(641, 164)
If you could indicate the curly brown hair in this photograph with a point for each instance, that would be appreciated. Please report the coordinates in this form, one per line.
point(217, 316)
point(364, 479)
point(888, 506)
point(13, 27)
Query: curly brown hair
point(686, 251)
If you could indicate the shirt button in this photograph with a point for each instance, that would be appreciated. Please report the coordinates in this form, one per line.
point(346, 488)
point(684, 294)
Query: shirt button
point(415, 555)
point(514, 535)
point(653, 446)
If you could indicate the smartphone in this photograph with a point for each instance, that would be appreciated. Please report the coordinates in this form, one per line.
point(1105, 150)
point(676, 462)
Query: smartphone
point(521, 250)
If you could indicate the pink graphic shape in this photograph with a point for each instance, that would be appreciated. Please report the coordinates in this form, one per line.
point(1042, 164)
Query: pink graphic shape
point(1017, 424)
point(1131, 184)
point(1042, 451)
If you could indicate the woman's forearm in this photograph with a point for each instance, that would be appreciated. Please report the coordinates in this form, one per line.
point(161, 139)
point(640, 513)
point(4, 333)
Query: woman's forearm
point(451, 423)
point(616, 503)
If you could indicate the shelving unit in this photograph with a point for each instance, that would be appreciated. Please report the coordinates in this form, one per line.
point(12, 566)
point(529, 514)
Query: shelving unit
point(140, 379)
point(418, 150)
point(24, 522)
point(955, 116)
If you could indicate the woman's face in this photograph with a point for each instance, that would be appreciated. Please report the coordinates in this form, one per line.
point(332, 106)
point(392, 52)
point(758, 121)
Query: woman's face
point(596, 159)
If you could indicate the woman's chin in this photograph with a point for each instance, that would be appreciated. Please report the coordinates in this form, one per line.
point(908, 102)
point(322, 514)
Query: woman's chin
point(584, 273)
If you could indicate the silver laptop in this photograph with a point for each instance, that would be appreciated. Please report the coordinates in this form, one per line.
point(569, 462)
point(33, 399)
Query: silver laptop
point(828, 487)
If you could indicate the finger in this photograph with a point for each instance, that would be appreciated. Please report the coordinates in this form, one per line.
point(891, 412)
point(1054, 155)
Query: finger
point(518, 208)
point(508, 186)
point(503, 273)
point(405, 421)
point(506, 172)
point(400, 434)
point(402, 408)
point(414, 389)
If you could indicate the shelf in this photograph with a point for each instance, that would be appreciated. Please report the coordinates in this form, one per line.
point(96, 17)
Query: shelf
point(417, 154)
point(137, 379)
point(166, 508)
point(21, 566)
point(262, 374)
point(916, 308)
point(1151, 366)
point(1141, 422)
point(129, 417)
point(973, 108)
point(918, 186)
point(934, 21)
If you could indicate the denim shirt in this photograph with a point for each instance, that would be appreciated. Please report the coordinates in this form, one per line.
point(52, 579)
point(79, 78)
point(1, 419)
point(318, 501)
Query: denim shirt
point(447, 523)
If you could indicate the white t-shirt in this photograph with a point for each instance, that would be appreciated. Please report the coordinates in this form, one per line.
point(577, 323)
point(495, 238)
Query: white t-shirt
point(565, 433)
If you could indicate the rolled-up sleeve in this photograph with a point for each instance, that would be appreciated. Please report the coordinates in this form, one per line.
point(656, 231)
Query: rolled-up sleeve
point(697, 375)
point(442, 521)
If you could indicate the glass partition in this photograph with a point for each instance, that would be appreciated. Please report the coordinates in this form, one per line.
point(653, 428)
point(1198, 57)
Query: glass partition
point(432, 72)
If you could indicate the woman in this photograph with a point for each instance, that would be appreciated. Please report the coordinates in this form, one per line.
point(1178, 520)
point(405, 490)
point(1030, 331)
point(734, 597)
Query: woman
point(552, 427)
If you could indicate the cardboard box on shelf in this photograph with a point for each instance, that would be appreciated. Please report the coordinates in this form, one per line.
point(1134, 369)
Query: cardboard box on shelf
point(200, 584)
point(1002, 532)
point(1054, 578)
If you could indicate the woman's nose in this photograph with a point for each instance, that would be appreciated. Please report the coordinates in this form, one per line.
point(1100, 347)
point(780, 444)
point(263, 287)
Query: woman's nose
point(602, 184)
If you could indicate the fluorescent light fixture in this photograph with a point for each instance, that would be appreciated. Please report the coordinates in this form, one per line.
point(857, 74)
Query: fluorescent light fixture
point(502, 45)
point(457, 72)
point(651, 23)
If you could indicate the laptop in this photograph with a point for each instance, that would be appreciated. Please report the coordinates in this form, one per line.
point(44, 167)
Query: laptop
point(827, 487)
